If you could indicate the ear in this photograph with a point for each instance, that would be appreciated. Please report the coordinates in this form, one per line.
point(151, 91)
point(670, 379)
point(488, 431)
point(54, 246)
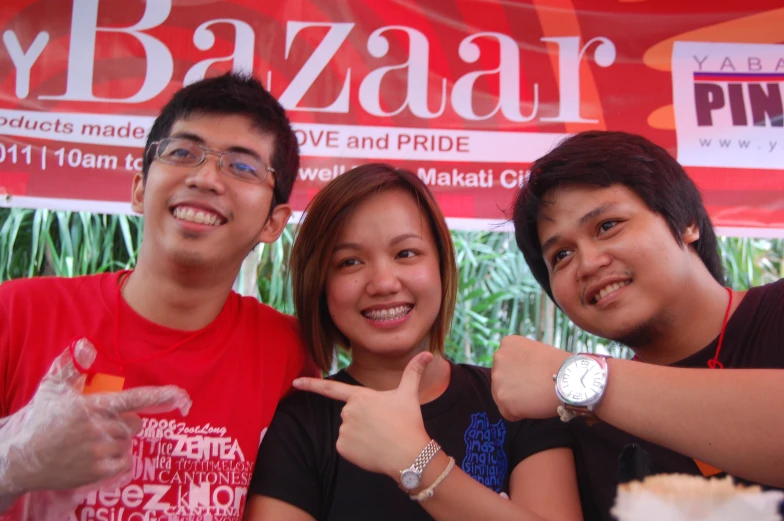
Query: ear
point(137, 193)
point(691, 234)
point(276, 222)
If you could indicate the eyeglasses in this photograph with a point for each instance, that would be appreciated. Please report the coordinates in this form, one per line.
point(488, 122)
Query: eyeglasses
point(186, 152)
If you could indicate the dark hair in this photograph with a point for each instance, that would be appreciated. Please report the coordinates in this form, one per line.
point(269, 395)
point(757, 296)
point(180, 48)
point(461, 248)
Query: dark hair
point(241, 94)
point(318, 234)
point(601, 159)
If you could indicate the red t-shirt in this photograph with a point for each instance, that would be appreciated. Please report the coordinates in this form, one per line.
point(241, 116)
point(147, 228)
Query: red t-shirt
point(236, 370)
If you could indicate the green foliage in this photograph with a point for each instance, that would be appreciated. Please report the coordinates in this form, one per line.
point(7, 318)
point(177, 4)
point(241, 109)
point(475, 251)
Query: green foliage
point(44, 242)
point(751, 262)
point(497, 294)
point(273, 273)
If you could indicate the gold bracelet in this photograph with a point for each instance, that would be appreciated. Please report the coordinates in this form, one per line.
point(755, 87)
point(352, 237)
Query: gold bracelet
point(429, 491)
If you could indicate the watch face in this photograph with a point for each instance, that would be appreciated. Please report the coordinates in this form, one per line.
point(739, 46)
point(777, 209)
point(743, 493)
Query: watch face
point(581, 380)
point(409, 479)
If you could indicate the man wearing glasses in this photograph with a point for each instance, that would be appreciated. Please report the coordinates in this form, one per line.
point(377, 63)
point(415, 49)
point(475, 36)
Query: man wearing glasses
point(156, 385)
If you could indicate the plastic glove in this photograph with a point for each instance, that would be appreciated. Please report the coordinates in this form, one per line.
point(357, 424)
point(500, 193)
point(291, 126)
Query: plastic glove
point(66, 441)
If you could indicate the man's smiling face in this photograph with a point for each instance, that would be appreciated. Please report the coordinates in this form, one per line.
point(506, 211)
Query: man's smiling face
point(614, 265)
point(199, 215)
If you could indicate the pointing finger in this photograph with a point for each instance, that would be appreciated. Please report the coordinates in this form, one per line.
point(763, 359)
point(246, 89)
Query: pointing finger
point(328, 388)
point(144, 399)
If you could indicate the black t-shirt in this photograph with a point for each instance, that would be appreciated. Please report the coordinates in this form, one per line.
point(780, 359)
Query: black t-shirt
point(754, 338)
point(298, 462)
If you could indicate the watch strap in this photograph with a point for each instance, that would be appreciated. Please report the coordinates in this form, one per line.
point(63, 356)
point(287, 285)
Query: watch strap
point(569, 412)
point(425, 456)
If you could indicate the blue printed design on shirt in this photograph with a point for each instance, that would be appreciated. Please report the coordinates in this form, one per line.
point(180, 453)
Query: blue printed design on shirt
point(485, 459)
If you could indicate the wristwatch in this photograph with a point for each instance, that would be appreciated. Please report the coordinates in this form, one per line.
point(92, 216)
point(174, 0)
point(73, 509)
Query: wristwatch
point(411, 477)
point(580, 384)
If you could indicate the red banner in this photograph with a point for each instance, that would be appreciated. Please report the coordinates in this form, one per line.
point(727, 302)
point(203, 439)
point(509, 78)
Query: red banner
point(464, 93)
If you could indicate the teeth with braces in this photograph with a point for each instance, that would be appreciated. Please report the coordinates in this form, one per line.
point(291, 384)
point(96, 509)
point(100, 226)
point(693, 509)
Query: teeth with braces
point(196, 216)
point(388, 314)
point(609, 289)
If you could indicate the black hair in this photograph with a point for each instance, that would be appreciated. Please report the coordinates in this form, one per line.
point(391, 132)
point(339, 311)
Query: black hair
point(241, 94)
point(602, 159)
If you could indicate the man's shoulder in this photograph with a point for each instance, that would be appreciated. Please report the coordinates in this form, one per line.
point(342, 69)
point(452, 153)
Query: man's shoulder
point(45, 287)
point(764, 301)
point(266, 324)
point(252, 308)
point(770, 290)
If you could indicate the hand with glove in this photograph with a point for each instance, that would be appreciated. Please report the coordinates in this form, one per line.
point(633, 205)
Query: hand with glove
point(63, 440)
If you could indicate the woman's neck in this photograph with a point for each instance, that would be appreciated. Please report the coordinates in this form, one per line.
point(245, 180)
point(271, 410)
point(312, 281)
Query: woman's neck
point(385, 374)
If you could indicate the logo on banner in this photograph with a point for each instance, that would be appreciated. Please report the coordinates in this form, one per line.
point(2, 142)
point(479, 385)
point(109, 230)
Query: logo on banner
point(465, 109)
point(729, 104)
point(422, 99)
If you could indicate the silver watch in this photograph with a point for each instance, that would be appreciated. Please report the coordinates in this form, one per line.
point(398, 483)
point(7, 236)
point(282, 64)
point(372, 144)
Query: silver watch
point(580, 384)
point(411, 477)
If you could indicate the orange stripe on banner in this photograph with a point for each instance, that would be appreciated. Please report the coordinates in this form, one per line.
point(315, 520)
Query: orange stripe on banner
point(763, 27)
point(559, 18)
point(662, 118)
